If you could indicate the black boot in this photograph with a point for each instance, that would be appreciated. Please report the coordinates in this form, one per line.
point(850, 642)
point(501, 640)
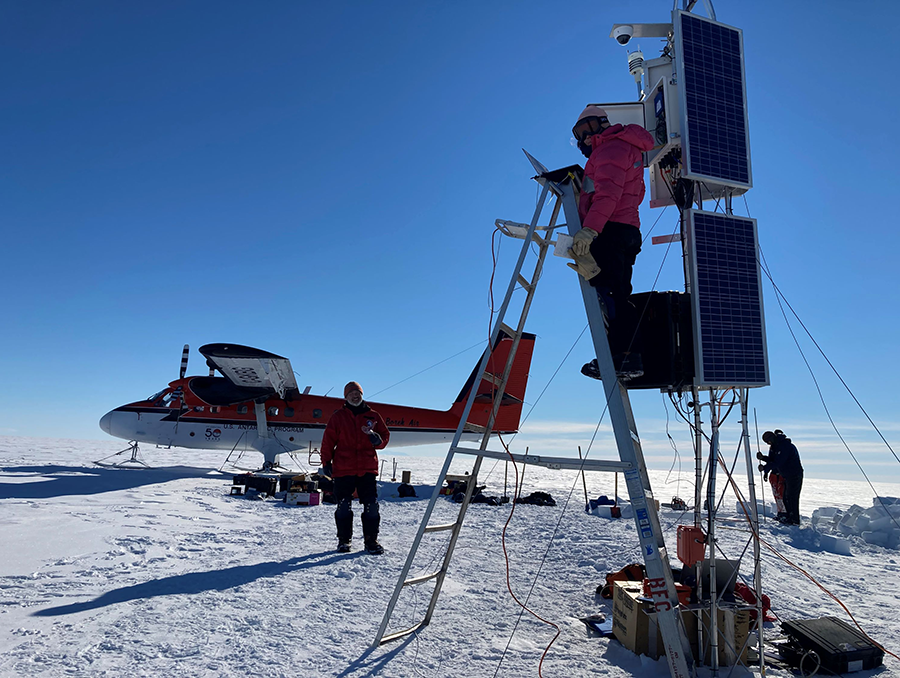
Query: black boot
point(371, 521)
point(591, 369)
point(343, 519)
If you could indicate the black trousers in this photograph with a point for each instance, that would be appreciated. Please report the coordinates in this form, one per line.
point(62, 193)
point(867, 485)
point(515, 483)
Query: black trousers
point(792, 487)
point(367, 491)
point(615, 251)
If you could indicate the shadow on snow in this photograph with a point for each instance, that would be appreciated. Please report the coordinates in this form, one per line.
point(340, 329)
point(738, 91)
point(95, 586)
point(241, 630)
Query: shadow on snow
point(374, 665)
point(85, 480)
point(198, 582)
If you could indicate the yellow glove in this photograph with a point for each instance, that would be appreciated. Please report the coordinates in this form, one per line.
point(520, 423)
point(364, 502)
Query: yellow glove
point(585, 266)
point(582, 241)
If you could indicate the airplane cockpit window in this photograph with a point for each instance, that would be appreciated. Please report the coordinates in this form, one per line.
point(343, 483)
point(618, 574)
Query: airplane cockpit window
point(170, 398)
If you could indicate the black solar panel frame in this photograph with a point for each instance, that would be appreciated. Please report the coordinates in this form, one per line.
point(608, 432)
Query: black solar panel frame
point(730, 347)
point(702, 156)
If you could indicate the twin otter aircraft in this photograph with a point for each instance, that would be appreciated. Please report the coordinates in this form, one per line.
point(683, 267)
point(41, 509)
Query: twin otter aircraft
point(256, 404)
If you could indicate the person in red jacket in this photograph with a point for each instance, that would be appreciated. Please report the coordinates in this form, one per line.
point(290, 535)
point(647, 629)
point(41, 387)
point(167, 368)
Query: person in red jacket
point(351, 437)
point(609, 241)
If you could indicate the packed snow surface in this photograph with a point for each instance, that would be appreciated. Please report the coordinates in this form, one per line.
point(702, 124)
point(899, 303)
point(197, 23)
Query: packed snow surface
point(109, 572)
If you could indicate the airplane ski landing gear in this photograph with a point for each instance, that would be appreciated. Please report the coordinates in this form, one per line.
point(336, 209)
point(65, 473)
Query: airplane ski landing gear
point(136, 461)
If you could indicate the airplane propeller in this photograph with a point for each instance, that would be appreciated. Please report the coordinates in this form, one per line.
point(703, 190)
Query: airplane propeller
point(184, 361)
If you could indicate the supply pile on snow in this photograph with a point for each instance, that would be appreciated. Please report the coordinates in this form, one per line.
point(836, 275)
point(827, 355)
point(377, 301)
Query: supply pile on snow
point(879, 524)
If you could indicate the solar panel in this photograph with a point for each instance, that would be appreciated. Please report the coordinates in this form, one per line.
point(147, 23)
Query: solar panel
point(726, 295)
point(710, 68)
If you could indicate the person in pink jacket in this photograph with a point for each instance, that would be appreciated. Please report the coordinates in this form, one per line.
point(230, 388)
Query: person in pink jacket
point(609, 241)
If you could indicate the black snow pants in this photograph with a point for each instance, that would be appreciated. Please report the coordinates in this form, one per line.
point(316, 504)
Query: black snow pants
point(792, 487)
point(615, 251)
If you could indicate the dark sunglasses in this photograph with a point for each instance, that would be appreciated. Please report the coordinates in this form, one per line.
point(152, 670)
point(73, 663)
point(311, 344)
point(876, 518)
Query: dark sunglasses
point(588, 127)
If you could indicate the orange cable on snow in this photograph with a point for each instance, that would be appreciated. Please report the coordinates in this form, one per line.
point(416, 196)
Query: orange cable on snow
point(516, 484)
point(506, 557)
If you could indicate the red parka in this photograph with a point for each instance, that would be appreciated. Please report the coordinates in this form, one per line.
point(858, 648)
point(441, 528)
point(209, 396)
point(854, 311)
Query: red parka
point(347, 448)
point(617, 168)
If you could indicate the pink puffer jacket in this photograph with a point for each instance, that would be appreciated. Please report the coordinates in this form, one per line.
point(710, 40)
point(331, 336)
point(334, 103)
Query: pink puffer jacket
point(617, 169)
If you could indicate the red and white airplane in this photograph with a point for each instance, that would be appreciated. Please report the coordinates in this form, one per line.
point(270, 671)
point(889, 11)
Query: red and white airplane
point(256, 404)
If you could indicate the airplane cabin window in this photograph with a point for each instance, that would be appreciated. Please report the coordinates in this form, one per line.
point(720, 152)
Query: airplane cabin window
point(289, 411)
point(273, 411)
point(242, 409)
point(317, 413)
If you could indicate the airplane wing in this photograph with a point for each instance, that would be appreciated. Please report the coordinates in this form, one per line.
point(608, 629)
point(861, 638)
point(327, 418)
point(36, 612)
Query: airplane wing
point(251, 367)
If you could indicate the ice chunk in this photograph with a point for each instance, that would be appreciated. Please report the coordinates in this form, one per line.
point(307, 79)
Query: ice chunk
point(875, 512)
point(876, 538)
point(835, 544)
point(881, 524)
point(846, 529)
point(823, 519)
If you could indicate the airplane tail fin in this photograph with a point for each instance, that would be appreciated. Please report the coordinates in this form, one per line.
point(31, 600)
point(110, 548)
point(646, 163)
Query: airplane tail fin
point(511, 407)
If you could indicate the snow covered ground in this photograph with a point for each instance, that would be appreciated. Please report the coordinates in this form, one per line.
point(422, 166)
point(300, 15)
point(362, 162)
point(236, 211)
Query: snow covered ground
point(160, 572)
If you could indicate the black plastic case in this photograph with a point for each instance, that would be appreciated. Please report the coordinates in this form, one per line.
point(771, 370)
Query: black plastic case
point(840, 647)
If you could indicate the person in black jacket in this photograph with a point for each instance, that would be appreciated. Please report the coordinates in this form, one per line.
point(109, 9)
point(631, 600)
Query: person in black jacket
point(784, 459)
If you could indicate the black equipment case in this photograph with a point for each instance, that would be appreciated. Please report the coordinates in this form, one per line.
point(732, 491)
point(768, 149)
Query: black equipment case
point(668, 341)
point(840, 647)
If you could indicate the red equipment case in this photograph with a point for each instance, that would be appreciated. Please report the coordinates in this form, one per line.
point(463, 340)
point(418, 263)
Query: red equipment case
point(691, 544)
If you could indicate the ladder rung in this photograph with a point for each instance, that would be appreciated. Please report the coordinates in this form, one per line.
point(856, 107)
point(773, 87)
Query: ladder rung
point(507, 329)
point(438, 528)
point(474, 428)
point(549, 462)
point(468, 450)
point(523, 282)
point(493, 378)
point(420, 579)
point(400, 634)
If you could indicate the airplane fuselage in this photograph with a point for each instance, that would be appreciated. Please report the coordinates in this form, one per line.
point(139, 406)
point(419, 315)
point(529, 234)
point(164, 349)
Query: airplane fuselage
point(289, 425)
point(256, 404)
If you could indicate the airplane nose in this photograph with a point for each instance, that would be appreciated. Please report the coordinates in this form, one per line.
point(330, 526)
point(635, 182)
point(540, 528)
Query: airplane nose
point(106, 422)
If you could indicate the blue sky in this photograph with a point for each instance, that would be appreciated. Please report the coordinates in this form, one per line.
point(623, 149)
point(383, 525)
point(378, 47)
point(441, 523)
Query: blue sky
point(322, 182)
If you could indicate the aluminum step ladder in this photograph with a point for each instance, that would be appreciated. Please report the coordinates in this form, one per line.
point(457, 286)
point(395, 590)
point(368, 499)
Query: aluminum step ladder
point(564, 186)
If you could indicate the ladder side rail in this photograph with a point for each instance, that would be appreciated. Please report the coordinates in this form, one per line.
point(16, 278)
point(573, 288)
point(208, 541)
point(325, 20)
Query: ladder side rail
point(517, 338)
point(675, 640)
point(454, 537)
point(744, 395)
point(544, 244)
point(501, 314)
point(461, 426)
